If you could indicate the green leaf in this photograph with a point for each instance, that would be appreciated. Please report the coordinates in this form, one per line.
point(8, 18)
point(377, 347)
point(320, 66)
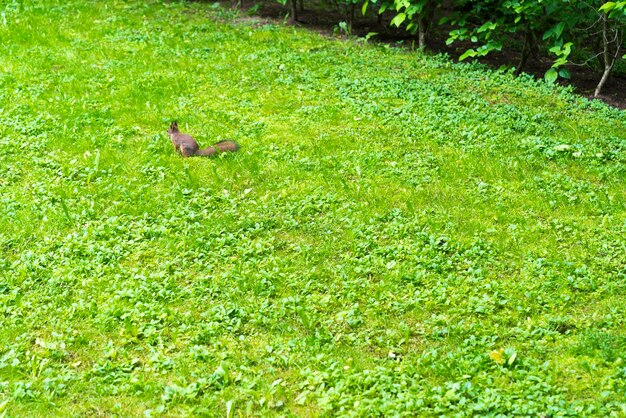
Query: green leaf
point(512, 358)
point(468, 53)
point(567, 48)
point(364, 8)
point(551, 75)
point(558, 30)
point(400, 17)
point(555, 32)
point(607, 7)
point(487, 26)
point(565, 73)
point(555, 49)
point(370, 35)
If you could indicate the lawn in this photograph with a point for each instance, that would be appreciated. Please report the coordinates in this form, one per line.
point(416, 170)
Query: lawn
point(398, 235)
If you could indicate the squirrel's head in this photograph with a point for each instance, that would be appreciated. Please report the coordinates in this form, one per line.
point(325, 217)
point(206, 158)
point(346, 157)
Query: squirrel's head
point(173, 128)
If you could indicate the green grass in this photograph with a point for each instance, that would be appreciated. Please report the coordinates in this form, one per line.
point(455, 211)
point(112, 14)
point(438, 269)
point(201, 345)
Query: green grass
point(398, 235)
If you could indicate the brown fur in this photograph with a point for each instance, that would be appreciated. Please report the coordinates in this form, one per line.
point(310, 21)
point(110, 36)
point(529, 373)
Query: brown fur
point(188, 147)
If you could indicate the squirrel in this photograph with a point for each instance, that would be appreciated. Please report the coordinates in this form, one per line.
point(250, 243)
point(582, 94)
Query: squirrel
point(188, 147)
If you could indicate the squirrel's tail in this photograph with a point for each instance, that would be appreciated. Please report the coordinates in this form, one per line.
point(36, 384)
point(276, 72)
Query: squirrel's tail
point(222, 146)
